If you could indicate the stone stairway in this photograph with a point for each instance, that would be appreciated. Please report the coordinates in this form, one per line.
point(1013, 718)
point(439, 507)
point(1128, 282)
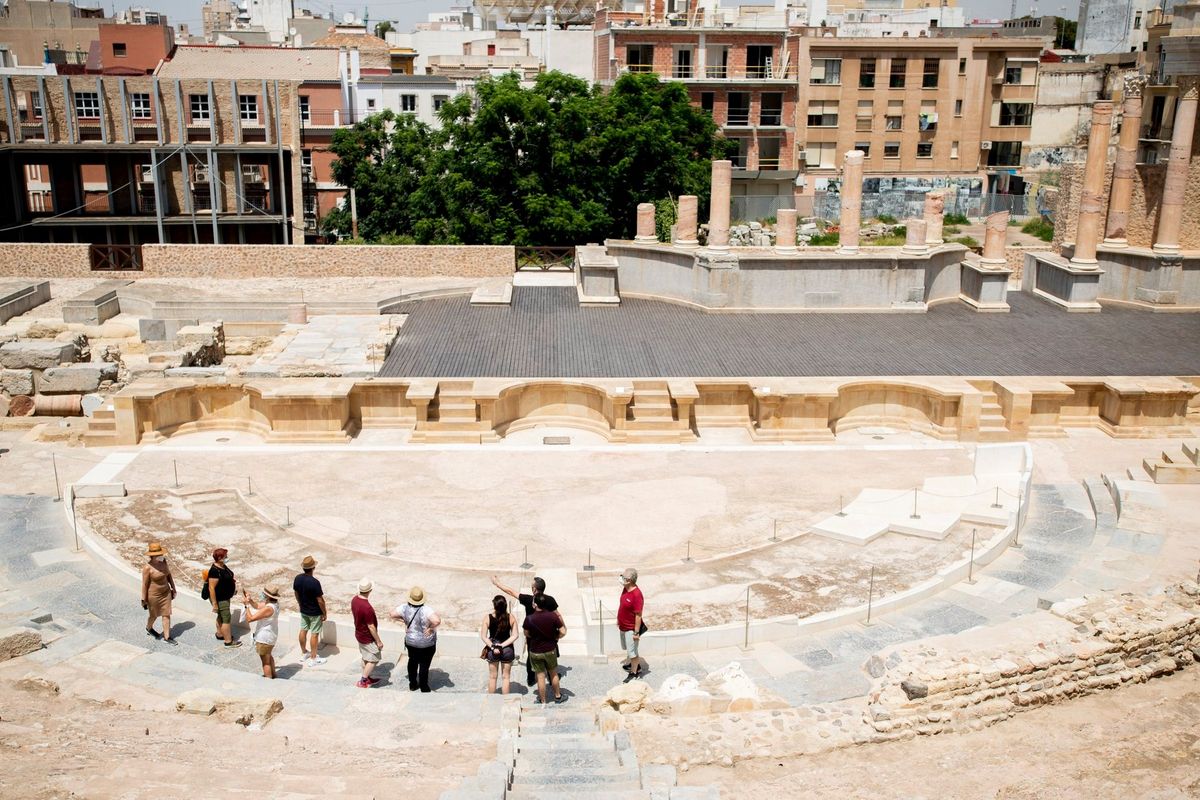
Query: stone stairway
point(552, 753)
point(993, 427)
point(1180, 466)
point(102, 428)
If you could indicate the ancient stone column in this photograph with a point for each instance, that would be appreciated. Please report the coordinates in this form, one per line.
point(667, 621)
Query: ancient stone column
point(1091, 194)
point(851, 217)
point(685, 225)
point(1170, 213)
point(914, 240)
point(645, 224)
point(785, 230)
point(718, 207)
point(935, 207)
point(995, 231)
point(1123, 171)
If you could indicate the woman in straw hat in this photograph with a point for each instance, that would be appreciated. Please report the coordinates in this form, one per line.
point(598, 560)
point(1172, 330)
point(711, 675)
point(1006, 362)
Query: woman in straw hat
point(420, 637)
point(158, 590)
point(265, 616)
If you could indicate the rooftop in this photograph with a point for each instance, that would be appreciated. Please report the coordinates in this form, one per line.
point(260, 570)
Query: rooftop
point(237, 63)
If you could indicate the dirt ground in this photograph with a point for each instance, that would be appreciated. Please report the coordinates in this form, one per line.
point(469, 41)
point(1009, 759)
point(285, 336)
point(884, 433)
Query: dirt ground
point(1141, 742)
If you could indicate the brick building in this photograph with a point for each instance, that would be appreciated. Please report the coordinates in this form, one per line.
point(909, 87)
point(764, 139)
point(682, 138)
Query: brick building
point(219, 145)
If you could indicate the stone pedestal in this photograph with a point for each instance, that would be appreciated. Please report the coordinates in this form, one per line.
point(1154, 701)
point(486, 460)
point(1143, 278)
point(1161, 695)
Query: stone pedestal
point(1056, 280)
point(935, 207)
point(785, 230)
point(1126, 165)
point(718, 212)
point(1170, 213)
point(995, 233)
point(1091, 196)
point(851, 216)
point(914, 242)
point(984, 288)
point(685, 225)
point(597, 272)
point(645, 224)
point(715, 278)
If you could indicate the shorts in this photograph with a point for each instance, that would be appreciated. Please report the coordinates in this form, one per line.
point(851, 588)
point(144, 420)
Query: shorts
point(507, 654)
point(369, 652)
point(312, 624)
point(543, 662)
point(629, 643)
point(263, 649)
point(224, 616)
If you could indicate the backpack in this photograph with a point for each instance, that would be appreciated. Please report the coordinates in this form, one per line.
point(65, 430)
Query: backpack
point(204, 586)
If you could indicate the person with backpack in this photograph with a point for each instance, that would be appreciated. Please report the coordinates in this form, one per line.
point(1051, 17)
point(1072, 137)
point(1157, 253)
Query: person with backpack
point(265, 616)
point(420, 637)
point(219, 587)
point(499, 631)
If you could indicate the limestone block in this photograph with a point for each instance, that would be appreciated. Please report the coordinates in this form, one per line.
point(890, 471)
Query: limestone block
point(16, 381)
point(76, 379)
point(17, 642)
point(251, 712)
point(197, 701)
point(162, 330)
point(45, 329)
point(26, 354)
point(628, 698)
point(37, 684)
point(100, 490)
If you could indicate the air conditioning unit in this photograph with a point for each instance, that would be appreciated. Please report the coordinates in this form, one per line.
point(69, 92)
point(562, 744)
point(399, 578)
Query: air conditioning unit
point(199, 174)
point(985, 145)
point(147, 173)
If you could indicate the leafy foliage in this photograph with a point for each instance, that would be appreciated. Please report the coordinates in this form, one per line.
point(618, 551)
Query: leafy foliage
point(956, 219)
point(1040, 228)
point(557, 164)
point(824, 239)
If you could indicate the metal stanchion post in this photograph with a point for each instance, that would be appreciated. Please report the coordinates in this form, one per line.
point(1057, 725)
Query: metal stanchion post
point(589, 567)
point(57, 485)
point(601, 627)
point(774, 530)
point(287, 510)
point(971, 566)
point(249, 488)
point(914, 515)
point(75, 521)
point(996, 502)
point(1017, 521)
point(175, 467)
point(688, 558)
point(746, 643)
point(525, 558)
point(870, 596)
point(841, 506)
point(386, 551)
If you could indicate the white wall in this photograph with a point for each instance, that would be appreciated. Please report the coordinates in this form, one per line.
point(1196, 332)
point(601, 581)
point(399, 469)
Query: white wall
point(570, 51)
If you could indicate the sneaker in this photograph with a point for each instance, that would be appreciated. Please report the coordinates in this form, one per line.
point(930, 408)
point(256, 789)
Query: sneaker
point(412, 687)
point(633, 676)
point(219, 636)
point(373, 681)
point(233, 644)
point(315, 660)
point(560, 699)
point(154, 633)
point(173, 642)
point(625, 666)
point(363, 683)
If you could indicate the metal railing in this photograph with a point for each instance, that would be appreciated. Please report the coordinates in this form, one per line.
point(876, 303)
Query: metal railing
point(544, 258)
point(115, 257)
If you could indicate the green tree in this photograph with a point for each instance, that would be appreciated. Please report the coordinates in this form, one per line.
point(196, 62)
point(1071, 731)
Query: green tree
point(383, 28)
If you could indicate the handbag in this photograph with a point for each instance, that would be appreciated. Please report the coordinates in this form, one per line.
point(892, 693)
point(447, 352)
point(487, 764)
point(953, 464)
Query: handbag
point(642, 628)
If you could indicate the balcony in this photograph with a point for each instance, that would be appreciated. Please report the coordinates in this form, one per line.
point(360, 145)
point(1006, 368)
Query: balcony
point(768, 163)
point(639, 68)
point(682, 72)
point(771, 119)
point(738, 117)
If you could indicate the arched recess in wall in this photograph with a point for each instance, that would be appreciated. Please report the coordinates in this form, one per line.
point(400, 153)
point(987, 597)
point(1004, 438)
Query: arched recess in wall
point(896, 404)
point(572, 405)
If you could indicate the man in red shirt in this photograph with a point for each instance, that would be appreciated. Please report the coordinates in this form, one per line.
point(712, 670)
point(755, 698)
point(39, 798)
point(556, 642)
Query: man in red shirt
point(366, 633)
point(629, 622)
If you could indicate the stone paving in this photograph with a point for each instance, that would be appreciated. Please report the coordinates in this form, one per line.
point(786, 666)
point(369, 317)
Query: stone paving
point(545, 333)
point(332, 345)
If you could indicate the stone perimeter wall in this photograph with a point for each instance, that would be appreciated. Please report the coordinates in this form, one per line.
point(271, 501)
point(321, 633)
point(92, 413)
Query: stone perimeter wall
point(1114, 641)
point(268, 261)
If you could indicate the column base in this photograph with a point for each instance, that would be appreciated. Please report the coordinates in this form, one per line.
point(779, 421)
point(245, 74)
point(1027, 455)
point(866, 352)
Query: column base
point(687, 244)
point(914, 250)
point(1085, 263)
point(787, 251)
point(935, 242)
point(993, 263)
point(1116, 243)
point(847, 251)
point(717, 248)
point(646, 239)
point(1167, 249)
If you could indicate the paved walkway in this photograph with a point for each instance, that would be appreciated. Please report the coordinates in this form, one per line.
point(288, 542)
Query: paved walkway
point(1064, 554)
point(545, 333)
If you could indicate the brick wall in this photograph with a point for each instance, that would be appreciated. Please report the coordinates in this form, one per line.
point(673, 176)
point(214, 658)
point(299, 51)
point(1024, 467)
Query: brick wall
point(267, 261)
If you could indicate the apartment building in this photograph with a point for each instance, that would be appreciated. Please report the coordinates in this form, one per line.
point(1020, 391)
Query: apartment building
point(220, 145)
point(933, 111)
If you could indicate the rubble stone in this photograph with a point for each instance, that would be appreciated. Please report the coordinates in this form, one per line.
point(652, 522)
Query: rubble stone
point(27, 354)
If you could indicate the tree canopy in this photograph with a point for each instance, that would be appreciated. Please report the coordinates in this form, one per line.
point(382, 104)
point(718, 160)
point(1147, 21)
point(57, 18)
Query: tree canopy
point(559, 163)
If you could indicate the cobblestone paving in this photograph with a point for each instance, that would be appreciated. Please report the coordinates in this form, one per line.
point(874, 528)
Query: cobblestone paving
point(545, 333)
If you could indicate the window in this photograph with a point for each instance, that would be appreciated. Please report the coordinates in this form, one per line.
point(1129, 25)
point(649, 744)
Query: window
point(768, 153)
point(1016, 114)
point(1137, 21)
point(119, 50)
point(199, 106)
point(864, 118)
point(639, 58)
point(822, 155)
point(706, 101)
point(739, 109)
point(35, 104)
point(929, 78)
point(928, 120)
point(759, 61)
point(1020, 72)
point(771, 109)
point(958, 108)
point(87, 105)
point(891, 149)
point(139, 105)
point(822, 113)
point(894, 121)
point(743, 148)
point(1004, 154)
point(408, 103)
point(248, 107)
point(305, 111)
point(826, 72)
point(306, 167)
point(962, 66)
point(682, 66)
point(370, 103)
point(866, 73)
point(865, 147)
point(716, 61)
point(954, 149)
point(896, 80)
point(924, 149)
point(440, 100)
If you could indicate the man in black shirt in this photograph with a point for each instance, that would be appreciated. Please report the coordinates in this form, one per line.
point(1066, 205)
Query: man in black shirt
point(538, 587)
point(543, 628)
point(221, 587)
point(311, 600)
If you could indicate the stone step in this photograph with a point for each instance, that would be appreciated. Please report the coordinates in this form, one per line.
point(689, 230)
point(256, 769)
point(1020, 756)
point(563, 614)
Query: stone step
point(530, 793)
point(533, 739)
point(535, 760)
point(600, 769)
point(1191, 451)
point(570, 779)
